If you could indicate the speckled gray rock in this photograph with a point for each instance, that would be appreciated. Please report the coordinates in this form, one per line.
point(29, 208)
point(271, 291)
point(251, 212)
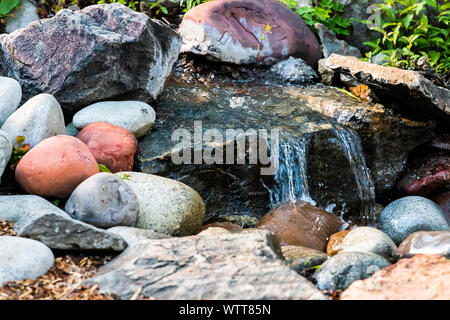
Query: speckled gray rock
point(166, 206)
point(38, 219)
point(10, 96)
point(22, 17)
point(136, 116)
point(133, 235)
point(406, 215)
point(366, 239)
point(229, 266)
point(5, 151)
point(294, 70)
point(302, 259)
point(39, 118)
point(331, 44)
point(341, 270)
point(22, 258)
point(104, 201)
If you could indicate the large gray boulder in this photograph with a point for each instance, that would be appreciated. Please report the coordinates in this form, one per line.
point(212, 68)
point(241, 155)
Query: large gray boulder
point(22, 258)
point(94, 54)
point(226, 266)
point(38, 219)
point(10, 96)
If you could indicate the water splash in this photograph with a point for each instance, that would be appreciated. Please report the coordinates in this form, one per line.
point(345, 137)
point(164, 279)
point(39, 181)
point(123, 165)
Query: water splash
point(291, 180)
point(351, 145)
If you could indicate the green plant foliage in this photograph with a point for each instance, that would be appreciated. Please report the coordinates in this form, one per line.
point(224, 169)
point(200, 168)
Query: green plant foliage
point(7, 6)
point(327, 12)
point(19, 150)
point(408, 34)
point(103, 168)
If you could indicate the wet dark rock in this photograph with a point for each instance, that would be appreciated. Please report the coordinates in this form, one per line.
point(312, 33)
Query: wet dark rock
point(334, 244)
point(235, 31)
point(85, 56)
point(410, 89)
point(313, 121)
point(294, 71)
point(443, 200)
point(301, 224)
point(407, 215)
point(341, 270)
point(249, 266)
point(441, 142)
point(426, 242)
point(426, 176)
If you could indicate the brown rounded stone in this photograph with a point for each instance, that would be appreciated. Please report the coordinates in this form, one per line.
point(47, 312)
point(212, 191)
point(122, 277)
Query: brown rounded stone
point(422, 277)
point(301, 224)
point(335, 243)
point(425, 242)
point(113, 146)
point(56, 166)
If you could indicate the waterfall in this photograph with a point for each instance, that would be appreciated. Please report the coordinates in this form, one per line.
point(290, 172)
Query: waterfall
point(351, 145)
point(291, 180)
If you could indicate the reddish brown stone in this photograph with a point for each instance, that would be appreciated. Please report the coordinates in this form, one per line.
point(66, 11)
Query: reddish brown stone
point(112, 146)
point(427, 176)
point(335, 243)
point(301, 224)
point(225, 29)
point(56, 166)
point(423, 277)
point(443, 200)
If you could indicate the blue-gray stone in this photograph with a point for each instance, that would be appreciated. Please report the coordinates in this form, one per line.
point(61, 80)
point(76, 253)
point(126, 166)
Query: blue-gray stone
point(410, 214)
point(341, 270)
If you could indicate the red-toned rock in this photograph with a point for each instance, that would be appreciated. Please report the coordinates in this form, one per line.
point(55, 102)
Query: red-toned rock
point(112, 146)
point(236, 31)
point(56, 166)
point(301, 224)
point(425, 242)
point(230, 226)
point(423, 277)
point(427, 176)
point(443, 200)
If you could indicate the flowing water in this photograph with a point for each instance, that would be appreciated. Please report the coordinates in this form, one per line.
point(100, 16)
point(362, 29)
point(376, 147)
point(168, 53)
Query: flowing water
point(320, 161)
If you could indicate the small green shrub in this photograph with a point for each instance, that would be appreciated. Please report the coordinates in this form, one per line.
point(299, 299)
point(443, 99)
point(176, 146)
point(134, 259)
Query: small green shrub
point(327, 12)
point(7, 6)
point(408, 34)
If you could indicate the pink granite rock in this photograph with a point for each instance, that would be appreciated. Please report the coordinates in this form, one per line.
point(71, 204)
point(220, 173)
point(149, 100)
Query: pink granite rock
point(56, 166)
point(112, 146)
point(248, 32)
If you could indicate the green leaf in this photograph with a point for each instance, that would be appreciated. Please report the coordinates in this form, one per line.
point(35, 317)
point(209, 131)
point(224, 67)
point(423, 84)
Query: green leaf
point(103, 168)
point(407, 20)
point(6, 6)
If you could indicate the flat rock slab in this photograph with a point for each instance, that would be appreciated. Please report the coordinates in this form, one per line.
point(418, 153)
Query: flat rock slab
point(226, 266)
point(38, 219)
point(408, 88)
point(423, 277)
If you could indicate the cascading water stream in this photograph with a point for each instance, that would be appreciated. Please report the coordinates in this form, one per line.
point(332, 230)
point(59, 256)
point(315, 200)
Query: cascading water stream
point(291, 179)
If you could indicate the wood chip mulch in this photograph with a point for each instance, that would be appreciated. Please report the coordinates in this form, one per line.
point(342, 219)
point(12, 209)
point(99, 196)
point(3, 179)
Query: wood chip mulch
point(6, 228)
point(62, 282)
